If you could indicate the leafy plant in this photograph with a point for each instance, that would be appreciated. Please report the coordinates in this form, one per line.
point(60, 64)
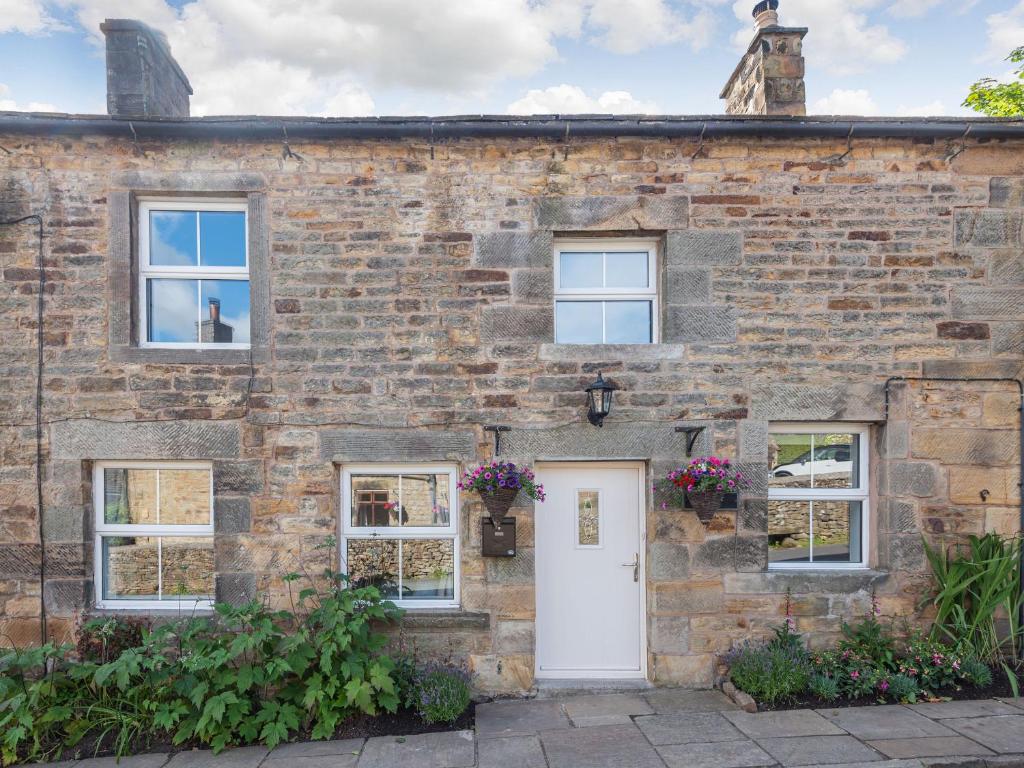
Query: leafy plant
point(824, 687)
point(105, 639)
point(976, 591)
point(708, 473)
point(903, 689)
point(977, 672)
point(770, 673)
point(499, 476)
point(443, 693)
point(995, 99)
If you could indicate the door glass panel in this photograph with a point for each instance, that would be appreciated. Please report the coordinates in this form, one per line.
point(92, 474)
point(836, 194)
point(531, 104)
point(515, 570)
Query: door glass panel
point(129, 496)
point(837, 531)
point(588, 519)
point(789, 531)
point(581, 270)
point(627, 322)
point(790, 459)
point(172, 239)
point(626, 270)
point(425, 501)
point(374, 563)
point(222, 238)
point(184, 497)
point(186, 567)
point(172, 309)
point(578, 322)
point(130, 567)
point(428, 569)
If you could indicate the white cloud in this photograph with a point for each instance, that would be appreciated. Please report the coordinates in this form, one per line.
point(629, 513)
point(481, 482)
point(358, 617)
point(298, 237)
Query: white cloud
point(845, 102)
point(1005, 31)
point(912, 8)
point(570, 99)
point(628, 26)
point(842, 39)
point(28, 17)
point(10, 105)
point(933, 109)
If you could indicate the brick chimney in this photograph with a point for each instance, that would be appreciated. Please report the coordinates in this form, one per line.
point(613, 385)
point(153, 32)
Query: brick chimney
point(143, 79)
point(769, 80)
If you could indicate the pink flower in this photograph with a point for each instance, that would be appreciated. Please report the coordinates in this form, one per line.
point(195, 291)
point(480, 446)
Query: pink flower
point(855, 675)
point(883, 686)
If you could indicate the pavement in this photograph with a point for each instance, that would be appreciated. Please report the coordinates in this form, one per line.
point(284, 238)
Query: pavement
point(660, 728)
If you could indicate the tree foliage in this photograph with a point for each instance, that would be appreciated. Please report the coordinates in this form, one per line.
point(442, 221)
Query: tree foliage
point(995, 99)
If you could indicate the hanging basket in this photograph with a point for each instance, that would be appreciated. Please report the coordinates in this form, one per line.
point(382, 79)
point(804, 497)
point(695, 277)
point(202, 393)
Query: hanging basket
point(499, 503)
point(706, 504)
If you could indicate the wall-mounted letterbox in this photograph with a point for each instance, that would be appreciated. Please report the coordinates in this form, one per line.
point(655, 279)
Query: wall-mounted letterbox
point(499, 542)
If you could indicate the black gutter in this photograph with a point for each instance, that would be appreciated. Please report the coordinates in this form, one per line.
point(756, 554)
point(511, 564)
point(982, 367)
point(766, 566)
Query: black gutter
point(555, 127)
point(1020, 388)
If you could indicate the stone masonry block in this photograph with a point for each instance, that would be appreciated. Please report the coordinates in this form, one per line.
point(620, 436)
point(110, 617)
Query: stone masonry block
point(896, 439)
point(669, 561)
point(18, 561)
point(235, 588)
point(1007, 268)
point(700, 324)
point(703, 248)
point(1006, 192)
point(1008, 339)
point(87, 439)
point(912, 479)
point(616, 440)
point(782, 402)
point(505, 322)
point(532, 286)
point(511, 570)
point(232, 515)
point(820, 582)
point(514, 637)
point(669, 634)
point(988, 228)
point(753, 440)
point(982, 447)
point(411, 445)
point(237, 477)
point(633, 212)
point(514, 249)
point(688, 286)
point(67, 597)
point(979, 303)
point(753, 516)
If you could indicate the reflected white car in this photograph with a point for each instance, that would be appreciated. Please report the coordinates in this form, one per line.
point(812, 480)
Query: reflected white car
point(828, 459)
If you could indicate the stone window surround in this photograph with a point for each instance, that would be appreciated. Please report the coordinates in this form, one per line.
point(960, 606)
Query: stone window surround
point(123, 307)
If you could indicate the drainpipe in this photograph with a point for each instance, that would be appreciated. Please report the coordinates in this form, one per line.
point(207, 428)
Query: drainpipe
point(1020, 484)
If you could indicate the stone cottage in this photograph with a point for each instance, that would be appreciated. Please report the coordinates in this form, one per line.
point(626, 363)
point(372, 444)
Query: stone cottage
point(239, 347)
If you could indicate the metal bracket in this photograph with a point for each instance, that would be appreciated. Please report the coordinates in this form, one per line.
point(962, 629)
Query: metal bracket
point(497, 429)
point(692, 433)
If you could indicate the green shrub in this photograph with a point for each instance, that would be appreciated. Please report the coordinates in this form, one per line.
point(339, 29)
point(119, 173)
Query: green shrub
point(824, 687)
point(976, 672)
point(253, 675)
point(770, 673)
point(442, 692)
point(902, 688)
point(103, 640)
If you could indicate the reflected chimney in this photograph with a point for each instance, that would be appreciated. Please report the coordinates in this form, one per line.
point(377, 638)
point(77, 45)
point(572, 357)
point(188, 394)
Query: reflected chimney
point(213, 330)
point(215, 310)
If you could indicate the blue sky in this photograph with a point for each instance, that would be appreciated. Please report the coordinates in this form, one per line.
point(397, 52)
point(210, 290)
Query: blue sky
point(350, 57)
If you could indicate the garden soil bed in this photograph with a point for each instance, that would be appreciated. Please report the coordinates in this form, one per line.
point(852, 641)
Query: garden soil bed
point(405, 722)
point(1000, 689)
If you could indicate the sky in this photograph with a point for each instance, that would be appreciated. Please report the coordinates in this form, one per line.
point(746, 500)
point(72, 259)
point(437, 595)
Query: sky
point(445, 57)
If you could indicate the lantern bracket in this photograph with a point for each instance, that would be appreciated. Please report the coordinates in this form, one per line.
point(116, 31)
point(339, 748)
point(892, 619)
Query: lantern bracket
point(497, 429)
point(692, 433)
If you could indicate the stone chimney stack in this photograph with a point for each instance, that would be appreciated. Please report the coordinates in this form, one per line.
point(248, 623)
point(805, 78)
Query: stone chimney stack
point(143, 79)
point(769, 80)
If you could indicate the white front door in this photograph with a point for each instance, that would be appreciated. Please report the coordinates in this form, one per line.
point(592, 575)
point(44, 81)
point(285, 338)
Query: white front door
point(589, 563)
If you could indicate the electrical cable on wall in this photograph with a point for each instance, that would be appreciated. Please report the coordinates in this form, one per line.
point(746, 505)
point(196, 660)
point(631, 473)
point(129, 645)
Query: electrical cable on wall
point(39, 416)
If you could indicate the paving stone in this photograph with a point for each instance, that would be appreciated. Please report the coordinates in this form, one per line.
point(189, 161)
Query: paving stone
point(781, 724)
point(615, 746)
point(1003, 733)
point(608, 709)
point(819, 750)
point(949, 709)
point(887, 722)
point(687, 728)
point(316, 749)
point(452, 749)
point(241, 757)
point(932, 746)
point(723, 754)
point(672, 700)
point(514, 752)
point(152, 760)
point(349, 760)
point(1018, 703)
point(519, 718)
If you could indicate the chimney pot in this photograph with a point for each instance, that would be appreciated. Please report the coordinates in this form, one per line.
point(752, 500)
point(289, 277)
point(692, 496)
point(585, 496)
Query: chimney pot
point(143, 79)
point(215, 310)
point(766, 14)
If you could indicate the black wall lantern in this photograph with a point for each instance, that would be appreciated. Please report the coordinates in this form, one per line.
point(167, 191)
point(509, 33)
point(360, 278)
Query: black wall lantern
point(599, 400)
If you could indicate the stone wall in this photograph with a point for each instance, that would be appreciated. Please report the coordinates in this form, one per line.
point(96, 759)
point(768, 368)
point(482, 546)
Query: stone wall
point(410, 304)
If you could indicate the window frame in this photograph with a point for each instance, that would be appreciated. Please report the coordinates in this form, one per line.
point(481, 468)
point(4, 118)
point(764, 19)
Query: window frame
point(650, 293)
point(405, 533)
point(861, 494)
point(106, 530)
point(148, 271)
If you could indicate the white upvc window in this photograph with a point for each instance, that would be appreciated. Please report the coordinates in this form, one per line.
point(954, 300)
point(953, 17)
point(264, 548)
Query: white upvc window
point(606, 292)
point(154, 534)
point(400, 532)
point(819, 505)
point(194, 274)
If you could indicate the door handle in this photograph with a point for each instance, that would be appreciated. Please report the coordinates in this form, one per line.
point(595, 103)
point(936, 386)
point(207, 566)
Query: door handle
point(635, 565)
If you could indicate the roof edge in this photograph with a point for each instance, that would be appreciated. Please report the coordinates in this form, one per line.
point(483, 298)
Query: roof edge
point(505, 126)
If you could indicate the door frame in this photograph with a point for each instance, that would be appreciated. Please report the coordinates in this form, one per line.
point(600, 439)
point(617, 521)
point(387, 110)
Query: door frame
point(641, 467)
